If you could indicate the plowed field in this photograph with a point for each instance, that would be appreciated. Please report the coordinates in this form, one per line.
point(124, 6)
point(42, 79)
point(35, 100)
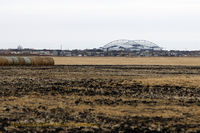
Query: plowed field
point(100, 98)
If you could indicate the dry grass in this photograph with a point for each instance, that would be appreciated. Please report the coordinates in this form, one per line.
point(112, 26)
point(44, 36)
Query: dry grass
point(164, 111)
point(127, 61)
point(184, 81)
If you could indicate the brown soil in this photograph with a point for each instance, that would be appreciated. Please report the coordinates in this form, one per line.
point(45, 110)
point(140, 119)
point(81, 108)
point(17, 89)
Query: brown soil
point(99, 98)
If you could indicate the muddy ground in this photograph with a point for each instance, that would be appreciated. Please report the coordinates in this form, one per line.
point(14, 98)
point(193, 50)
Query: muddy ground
point(98, 99)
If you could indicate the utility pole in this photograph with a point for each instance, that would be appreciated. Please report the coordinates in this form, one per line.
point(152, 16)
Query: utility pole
point(61, 50)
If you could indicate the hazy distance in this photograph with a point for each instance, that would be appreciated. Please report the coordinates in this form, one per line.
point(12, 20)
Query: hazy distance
point(81, 24)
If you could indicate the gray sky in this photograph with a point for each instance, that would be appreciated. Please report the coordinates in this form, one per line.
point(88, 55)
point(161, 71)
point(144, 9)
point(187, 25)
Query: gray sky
point(172, 24)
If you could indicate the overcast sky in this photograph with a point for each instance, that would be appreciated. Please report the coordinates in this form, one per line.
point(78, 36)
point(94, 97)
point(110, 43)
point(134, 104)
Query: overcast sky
point(80, 24)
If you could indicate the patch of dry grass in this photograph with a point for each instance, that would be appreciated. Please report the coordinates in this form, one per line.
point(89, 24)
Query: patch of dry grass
point(184, 81)
point(189, 61)
point(159, 110)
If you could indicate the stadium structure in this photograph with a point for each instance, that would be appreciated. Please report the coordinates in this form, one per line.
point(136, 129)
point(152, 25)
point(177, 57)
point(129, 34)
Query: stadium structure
point(130, 45)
